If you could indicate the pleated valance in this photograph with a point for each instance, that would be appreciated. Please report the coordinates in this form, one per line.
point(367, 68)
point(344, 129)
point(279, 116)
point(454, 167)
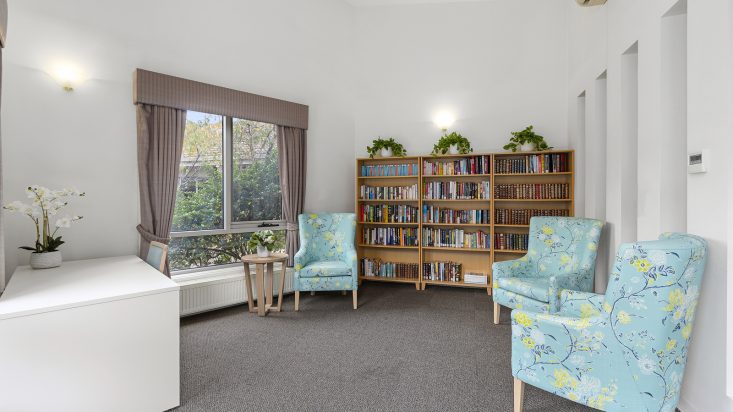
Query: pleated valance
point(170, 91)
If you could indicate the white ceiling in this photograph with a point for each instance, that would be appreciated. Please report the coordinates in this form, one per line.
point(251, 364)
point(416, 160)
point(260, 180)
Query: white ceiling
point(364, 3)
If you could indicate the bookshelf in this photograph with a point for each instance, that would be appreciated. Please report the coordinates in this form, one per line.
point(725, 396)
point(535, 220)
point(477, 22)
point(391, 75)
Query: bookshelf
point(468, 210)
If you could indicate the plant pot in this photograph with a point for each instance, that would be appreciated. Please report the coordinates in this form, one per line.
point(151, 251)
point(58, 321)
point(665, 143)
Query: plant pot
point(45, 260)
point(386, 152)
point(262, 251)
point(527, 147)
point(453, 149)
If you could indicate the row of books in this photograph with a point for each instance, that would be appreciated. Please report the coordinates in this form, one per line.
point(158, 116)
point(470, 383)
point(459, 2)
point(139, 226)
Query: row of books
point(474, 165)
point(388, 192)
point(388, 213)
point(445, 271)
point(389, 236)
point(455, 238)
point(375, 267)
point(411, 169)
point(539, 163)
point(436, 214)
point(511, 241)
point(522, 216)
point(457, 190)
point(532, 191)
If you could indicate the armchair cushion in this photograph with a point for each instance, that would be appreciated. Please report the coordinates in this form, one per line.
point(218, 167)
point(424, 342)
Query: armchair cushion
point(535, 288)
point(325, 268)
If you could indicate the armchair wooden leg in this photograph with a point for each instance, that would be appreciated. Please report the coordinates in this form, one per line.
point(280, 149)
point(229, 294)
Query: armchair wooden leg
point(354, 298)
point(343, 293)
point(518, 395)
point(313, 293)
point(297, 300)
point(497, 313)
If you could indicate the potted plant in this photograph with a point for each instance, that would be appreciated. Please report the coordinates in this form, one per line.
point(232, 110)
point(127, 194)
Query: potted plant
point(386, 148)
point(452, 143)
point(527, 141)
point(45, 205)
point(263, 242)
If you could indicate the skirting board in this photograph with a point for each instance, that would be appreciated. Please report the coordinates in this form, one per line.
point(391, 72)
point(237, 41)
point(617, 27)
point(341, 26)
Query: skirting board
point(221, 288)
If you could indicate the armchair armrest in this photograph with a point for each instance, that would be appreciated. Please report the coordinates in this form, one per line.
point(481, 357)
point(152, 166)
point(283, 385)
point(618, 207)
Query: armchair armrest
point(549, 340)
point(510, 268)
point(301, 258)
point(581, 281)
point(578, 304)
point(350, 259)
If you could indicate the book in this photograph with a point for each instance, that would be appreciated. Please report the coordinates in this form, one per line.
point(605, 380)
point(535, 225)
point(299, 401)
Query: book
point(475, 278)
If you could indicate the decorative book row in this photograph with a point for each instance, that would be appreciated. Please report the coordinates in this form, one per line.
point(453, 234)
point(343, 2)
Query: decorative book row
point(388, 213)
point(457, 190)
point(375, 267)
point(541, 163)
point(511, 241)
point(474, 165)
point(455, 238)
point(390, 170)
point(445, 271)
point(389, 236)
point(532, 191)
point(435, 214)
point(522, 216)
point(388, 192)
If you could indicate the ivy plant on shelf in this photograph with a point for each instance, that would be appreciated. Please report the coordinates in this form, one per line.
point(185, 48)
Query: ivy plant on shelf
point(386, 148)
point(527, 141)
point(452, 143)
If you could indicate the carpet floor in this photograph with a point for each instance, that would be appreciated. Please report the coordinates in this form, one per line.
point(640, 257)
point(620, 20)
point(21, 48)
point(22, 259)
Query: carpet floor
point(402, 350)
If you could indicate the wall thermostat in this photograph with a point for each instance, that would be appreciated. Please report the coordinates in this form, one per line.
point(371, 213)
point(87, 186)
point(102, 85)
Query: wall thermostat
point(697, 162)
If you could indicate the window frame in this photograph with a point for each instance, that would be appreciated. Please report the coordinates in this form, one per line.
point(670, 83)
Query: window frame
point(230, 226)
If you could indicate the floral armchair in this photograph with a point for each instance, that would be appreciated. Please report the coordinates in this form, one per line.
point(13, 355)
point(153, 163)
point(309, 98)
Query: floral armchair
point(625, 351)
point(562, 255)
point(327, 256)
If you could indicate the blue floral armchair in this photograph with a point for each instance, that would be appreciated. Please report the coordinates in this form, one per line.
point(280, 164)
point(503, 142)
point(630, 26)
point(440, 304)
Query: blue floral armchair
point(625, 351)
point(561, 255)
point(327, 256)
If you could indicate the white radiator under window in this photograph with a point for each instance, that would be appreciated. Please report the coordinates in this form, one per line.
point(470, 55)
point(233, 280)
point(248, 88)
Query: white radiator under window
point(219, 288)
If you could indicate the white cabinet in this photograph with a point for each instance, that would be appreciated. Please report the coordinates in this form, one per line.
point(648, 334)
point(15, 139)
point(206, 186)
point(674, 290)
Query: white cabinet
point(92, 335)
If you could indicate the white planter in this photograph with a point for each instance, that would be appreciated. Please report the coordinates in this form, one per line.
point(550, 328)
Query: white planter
point(262, 251)
point(527, 147)
point(453, 149)
point(45, 260)
point(386, 152)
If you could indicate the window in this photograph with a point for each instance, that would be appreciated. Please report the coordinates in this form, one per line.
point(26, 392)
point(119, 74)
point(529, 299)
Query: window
point(228, 187)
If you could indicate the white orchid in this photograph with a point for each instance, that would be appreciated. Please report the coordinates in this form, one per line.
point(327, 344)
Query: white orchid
point(45, 203)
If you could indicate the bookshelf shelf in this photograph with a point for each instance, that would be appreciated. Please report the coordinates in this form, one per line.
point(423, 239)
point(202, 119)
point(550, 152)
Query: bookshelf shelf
point(389, 246)
point(457, 249)
point(559, 165)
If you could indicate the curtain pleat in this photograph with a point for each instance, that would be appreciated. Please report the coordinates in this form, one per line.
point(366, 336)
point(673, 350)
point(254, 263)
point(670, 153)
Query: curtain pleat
point(160, 132)
point(291, 144)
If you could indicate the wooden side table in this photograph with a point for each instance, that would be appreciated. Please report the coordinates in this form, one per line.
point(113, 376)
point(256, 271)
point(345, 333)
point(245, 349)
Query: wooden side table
point(264, 269)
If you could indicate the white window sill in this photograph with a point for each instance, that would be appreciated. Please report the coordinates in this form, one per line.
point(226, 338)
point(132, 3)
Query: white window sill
point(217, 275)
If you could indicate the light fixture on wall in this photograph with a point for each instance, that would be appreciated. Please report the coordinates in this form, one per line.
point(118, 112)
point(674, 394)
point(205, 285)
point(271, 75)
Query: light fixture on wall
point(67, 75)
point(444, 120)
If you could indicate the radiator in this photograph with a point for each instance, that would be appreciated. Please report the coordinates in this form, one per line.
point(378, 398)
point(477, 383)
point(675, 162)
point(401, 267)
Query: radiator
point(220, 288)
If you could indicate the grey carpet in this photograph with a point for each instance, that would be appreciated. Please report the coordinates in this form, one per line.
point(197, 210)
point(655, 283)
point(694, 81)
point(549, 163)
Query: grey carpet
point(402, 350)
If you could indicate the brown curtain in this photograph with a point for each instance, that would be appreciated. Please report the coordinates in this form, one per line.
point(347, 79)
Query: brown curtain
point(291, 145)
point(160, 133)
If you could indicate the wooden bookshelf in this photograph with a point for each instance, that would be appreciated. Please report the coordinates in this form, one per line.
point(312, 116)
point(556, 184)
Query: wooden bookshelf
point(478, 260)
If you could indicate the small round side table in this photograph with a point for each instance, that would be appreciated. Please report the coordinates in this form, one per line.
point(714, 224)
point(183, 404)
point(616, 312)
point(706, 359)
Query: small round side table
point(264, 281)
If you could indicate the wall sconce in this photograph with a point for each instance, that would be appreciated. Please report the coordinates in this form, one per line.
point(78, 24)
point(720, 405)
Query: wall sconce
point(67, 76)
point(444, 120)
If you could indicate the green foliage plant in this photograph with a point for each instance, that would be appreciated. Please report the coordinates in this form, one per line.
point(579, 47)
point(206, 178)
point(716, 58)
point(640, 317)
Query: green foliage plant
point(378, 144)
point(527, 136)
point(264, 238)
point(447, 140)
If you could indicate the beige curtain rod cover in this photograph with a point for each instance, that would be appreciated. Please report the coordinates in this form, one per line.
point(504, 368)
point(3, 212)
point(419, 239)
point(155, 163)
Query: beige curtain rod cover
point(170, 91)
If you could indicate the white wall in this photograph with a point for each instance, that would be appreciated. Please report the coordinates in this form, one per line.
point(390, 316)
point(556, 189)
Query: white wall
point(281, 48)
point(497, 67)
point(598, 37)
